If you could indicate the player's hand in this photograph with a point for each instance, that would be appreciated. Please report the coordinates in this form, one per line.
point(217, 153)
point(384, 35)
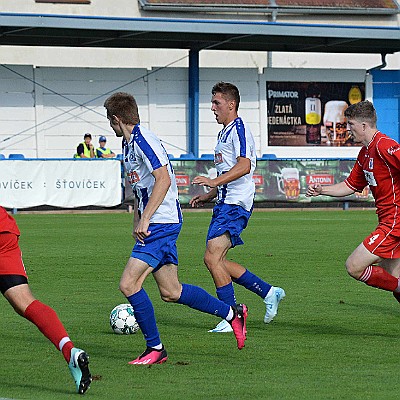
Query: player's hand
point(314, 190)
point(197, 201)
point(204, 181)
point(141, 231)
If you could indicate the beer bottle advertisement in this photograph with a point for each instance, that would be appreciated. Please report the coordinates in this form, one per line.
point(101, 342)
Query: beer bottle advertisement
point(310, 113)
point(313, 114)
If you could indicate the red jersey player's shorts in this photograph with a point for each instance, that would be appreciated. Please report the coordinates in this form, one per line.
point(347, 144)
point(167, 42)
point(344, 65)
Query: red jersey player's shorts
point(10, 255)
point(381, 243)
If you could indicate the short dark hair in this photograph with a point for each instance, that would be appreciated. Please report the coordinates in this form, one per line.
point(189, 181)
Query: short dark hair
point(229, 91)
point(124, 106)
point(362, 111)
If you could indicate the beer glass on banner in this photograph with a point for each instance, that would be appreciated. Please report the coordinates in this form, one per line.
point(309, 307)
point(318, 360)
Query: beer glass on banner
point(335, 122)
point(289, 183)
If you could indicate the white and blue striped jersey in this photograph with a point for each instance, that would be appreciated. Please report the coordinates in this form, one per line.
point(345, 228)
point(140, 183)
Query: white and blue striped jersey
point(236, 140)
point(142, 155)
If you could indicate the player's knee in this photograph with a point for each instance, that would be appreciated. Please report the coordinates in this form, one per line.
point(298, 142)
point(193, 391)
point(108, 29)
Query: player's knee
point(209, 260)
point(126, 289)
point(123, 289)
point(206, 260)
point(353, 269)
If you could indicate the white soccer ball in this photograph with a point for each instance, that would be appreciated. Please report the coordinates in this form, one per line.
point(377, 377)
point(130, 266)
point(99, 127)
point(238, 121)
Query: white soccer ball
point(122, 320)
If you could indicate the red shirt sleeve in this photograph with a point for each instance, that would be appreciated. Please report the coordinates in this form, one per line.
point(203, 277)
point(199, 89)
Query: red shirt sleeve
point(389, 150)
point(356, 180)
point(7, 222)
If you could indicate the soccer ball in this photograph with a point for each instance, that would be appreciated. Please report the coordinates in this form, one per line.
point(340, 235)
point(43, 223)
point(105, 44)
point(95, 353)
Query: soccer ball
point(122, 320)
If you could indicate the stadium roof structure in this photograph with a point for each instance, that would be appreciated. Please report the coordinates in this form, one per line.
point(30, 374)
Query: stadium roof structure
point(194, 34)
point(274, 6)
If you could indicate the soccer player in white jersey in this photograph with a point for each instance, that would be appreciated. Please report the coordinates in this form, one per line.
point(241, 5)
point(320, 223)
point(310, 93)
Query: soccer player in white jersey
point(235, 161)
point(157, 223)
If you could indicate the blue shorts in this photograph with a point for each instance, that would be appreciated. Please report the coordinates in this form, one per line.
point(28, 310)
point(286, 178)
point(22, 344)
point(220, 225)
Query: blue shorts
point(229, 218)
point(159, 248)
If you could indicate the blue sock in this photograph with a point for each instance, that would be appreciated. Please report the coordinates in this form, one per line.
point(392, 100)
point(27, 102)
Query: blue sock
point(227, 294)
point(144, 314)
point(253, 283)
point(197, 298)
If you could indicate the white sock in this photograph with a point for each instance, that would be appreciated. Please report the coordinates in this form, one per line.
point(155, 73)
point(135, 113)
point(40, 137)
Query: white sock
point(64, 340)
point(230, 315)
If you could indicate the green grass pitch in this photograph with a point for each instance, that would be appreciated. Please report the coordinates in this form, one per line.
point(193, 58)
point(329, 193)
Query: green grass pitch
point(333, 338)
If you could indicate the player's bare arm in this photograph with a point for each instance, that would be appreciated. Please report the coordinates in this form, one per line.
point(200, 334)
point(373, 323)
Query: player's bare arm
point(160, 189)
point(200, 199)
point(135, 216)
point(337, 190)
point(241, 168)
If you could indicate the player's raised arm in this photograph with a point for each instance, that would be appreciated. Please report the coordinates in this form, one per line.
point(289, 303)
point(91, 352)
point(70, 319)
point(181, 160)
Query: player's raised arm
point(337, 190)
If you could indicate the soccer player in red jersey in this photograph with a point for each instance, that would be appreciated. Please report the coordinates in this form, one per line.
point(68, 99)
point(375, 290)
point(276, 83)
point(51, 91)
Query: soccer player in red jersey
point(14, 286)
point(376, 261)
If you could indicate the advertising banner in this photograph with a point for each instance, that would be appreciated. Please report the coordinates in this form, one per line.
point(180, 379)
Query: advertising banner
point(304, 113)
point(69, 184)
point(60, 183)
point(275, 180)
point(287, 180)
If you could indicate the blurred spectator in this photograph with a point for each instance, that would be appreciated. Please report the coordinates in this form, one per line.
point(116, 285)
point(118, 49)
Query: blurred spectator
point(102, 151)
point(85, 149)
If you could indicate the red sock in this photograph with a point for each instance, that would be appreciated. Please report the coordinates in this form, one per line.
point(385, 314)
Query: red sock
point(379, 278)
point(47, 321)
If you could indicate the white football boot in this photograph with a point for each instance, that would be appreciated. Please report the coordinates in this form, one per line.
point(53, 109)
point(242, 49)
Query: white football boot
point(223, 327)
point(271, 300)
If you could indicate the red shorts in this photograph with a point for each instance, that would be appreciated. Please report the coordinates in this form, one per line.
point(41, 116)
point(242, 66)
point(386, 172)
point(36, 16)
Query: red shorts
point(10, 255)
point(381, 243)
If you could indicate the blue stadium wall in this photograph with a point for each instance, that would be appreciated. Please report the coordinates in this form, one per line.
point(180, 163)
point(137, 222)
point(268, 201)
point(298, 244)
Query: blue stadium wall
point(386, 97)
